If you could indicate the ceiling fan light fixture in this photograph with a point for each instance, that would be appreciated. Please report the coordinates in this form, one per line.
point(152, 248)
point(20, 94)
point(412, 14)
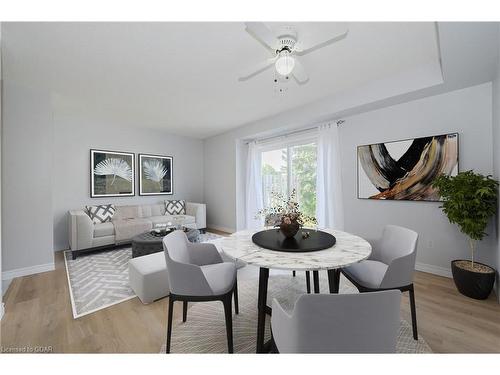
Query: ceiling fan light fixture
point(285, 63)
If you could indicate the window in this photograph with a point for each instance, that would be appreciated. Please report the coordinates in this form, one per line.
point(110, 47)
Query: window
point(291, 167)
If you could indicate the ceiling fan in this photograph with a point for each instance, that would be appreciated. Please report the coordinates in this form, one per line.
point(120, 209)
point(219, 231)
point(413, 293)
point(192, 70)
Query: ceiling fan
point(285, 47)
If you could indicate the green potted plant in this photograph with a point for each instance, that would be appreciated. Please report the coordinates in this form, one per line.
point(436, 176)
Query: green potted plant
point(469, 201)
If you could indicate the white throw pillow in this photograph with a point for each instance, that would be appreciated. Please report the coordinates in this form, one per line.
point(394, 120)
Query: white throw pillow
point(100, 214)
point(173, 207)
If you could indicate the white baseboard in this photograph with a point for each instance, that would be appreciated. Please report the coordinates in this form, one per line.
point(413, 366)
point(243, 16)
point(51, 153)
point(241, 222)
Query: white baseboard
point(222, 229)
point(5, 286)
point(18, 272)
point(436, 270)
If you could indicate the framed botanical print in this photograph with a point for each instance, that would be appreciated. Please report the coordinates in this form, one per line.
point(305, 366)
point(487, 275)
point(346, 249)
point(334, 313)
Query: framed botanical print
point(112, 174)
point(155, 175)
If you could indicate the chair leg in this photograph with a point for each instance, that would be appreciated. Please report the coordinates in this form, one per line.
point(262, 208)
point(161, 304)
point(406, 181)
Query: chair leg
point(316, 281)
point(308, 282)
point(337, 279)
point(184, 311)
point(229, 322)
point(236, 306)
point(293, 273)
point(273, 349)
point(169, 325)
point(413, 312)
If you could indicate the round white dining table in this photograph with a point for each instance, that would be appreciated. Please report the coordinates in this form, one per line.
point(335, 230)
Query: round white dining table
point(348, 249)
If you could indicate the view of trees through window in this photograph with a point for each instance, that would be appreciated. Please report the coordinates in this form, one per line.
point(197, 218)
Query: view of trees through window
point(288, 168)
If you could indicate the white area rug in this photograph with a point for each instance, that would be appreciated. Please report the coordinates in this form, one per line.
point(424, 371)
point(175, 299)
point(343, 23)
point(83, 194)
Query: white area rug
point(100, 280)
point(205, 329)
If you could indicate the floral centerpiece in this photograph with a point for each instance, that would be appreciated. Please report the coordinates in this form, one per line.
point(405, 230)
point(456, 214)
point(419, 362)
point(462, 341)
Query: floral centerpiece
point(285, 213)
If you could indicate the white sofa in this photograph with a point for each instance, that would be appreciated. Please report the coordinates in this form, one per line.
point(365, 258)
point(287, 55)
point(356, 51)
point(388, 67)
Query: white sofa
point(84, 234)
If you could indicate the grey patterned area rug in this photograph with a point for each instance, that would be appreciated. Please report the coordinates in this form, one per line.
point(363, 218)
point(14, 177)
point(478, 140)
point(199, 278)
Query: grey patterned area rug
point(100, 280)
point(205, 330)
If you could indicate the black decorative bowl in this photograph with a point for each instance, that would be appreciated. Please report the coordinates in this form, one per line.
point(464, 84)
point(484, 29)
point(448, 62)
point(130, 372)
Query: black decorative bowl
point(273, 239)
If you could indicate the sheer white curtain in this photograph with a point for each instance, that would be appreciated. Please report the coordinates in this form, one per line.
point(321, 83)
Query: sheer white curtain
point(329, 202)
point(254, 200)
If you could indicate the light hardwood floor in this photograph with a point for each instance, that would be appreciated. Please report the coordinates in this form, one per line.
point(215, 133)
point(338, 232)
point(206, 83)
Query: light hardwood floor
point(38, 313)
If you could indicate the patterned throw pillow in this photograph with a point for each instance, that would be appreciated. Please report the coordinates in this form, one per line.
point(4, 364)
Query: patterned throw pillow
point(174, 207)
point(101, 214)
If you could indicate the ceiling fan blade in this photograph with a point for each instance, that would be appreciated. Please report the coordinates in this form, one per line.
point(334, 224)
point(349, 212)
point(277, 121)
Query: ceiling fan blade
point(256, 69)
point(263, 34)
point(299, 72)
point(301, 49)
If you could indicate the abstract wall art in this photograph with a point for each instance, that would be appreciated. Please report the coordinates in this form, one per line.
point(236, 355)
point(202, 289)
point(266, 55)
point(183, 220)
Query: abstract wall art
point(405, 170)
point(111, 174)
point(155, 175)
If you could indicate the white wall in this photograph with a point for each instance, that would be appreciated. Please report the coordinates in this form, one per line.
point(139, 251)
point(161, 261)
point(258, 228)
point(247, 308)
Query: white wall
point(220, 182)
point(27, 144)
point(467, 111)
point(45, 170)
point(496, 160)
point(46, 173)
point(1, 290)
point(74, 136)
point(223, 174)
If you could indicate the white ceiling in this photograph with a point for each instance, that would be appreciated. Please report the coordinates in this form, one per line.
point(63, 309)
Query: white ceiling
point(183, 77)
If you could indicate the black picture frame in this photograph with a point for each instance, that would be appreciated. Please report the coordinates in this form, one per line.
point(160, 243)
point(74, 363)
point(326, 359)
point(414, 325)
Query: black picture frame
point(97, 180)
point(165, 183)
point(455, 134)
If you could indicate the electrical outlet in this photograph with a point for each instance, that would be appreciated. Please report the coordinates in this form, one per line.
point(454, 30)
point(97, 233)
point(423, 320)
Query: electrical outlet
point(430, 244)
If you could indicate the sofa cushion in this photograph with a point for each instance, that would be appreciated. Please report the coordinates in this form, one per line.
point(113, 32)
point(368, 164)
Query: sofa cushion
point(104, 229)
point(175, 207)
point(155, 220)
point(157, 209)
point(182, 219)
point(152, 210)
point(145, 211)
point(100, 214)
point(126, 229)
point(126, 212)
point(185, 219)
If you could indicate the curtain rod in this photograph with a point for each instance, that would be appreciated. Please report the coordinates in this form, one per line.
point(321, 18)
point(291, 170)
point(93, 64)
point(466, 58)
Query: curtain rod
point(338, 122)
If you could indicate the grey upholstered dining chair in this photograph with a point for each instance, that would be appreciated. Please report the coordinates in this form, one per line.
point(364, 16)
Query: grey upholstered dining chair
point(197, 273)
point(338, 323)
point(390, 266)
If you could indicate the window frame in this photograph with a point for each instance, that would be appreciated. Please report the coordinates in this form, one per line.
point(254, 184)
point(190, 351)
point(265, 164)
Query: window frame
point(287, 144)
